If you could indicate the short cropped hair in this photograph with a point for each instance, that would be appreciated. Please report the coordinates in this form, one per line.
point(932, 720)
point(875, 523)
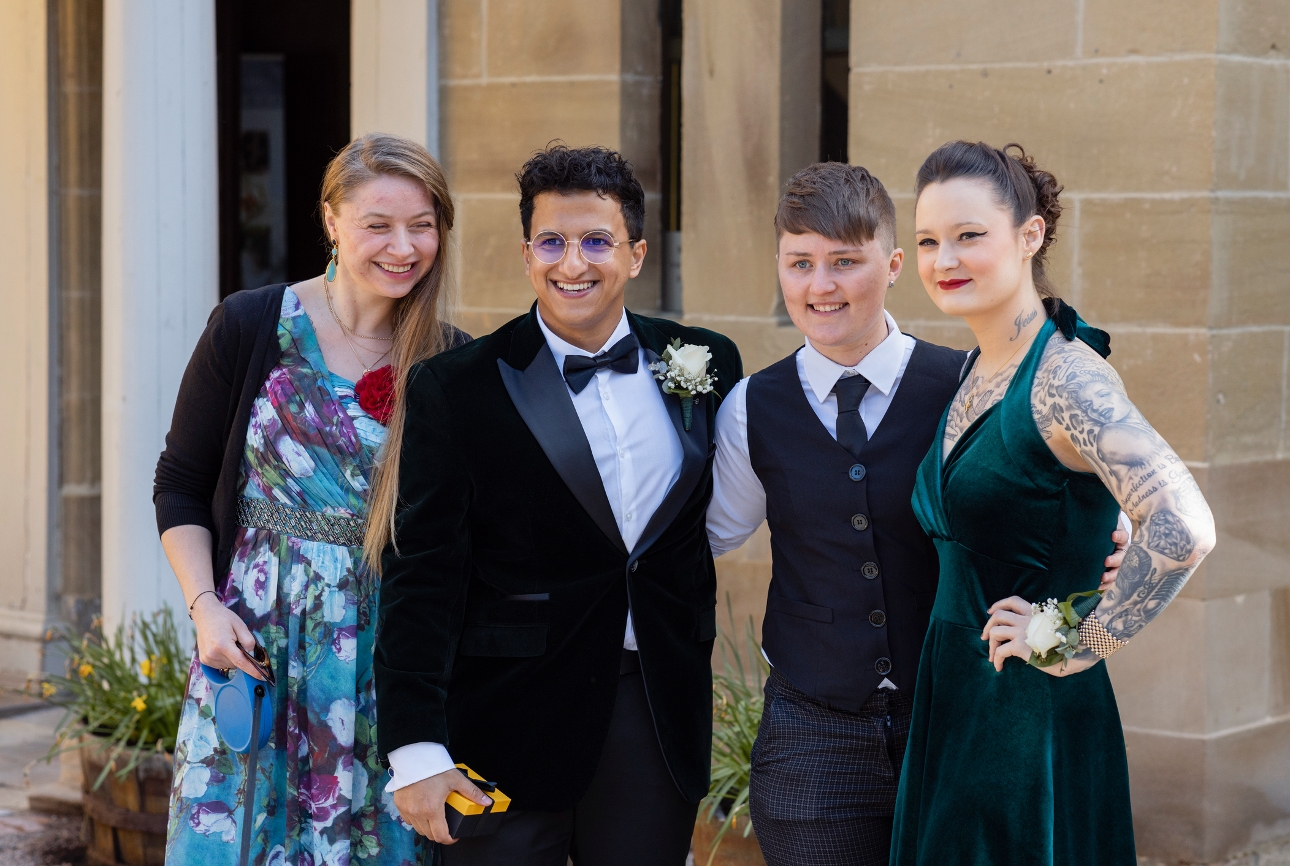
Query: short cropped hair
point(839, 201)
point(562, 169)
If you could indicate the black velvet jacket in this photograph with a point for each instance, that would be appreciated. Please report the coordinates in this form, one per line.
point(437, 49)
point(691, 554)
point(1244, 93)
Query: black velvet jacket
point(502, 614)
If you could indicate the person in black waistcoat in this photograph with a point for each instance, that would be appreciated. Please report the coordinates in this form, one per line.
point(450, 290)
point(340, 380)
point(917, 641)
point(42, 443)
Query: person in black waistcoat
point(824, 445)
point(549, 613)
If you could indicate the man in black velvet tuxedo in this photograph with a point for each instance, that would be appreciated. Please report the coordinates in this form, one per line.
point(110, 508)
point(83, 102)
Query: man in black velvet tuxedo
point(549, 615)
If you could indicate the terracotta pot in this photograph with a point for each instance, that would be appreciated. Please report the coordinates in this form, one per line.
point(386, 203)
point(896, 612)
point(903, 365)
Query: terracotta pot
point(735, 849)
point(125, 821)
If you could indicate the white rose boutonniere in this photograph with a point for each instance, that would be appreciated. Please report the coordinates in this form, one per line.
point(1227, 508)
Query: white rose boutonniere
point(683, 370)
point(1053, 631)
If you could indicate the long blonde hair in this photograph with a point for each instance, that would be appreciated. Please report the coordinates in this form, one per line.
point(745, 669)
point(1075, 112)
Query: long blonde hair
point(421, 329)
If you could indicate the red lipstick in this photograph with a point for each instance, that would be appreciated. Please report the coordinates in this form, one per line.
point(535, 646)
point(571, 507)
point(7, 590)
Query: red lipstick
point(951, 285)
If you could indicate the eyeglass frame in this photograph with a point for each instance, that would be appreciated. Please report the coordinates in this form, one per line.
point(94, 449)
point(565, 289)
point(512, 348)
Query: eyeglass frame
point(617, 243)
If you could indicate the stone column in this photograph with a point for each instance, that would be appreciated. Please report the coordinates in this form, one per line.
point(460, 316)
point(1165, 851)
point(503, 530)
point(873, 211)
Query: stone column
point(516, 75)
point(750, 119)
point(160, 266)
point(394, 69)
point(1169, 124)
point(25, 338)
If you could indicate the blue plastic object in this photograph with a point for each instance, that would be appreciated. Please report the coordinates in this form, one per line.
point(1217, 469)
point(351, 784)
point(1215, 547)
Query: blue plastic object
point(234, 708)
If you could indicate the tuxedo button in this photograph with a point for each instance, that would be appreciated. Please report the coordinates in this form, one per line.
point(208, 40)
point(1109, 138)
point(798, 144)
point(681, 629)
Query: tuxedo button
point(869, 570)
point(856, 472)
point(882, 666)
point(877, 619)
point(859, 522)
point(634, 565)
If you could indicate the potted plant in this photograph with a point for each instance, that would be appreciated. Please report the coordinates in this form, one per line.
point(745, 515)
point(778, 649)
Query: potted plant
point(122, 696)
point(723, 835)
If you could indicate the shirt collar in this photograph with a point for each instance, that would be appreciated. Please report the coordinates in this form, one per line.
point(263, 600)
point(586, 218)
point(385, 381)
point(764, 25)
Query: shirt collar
point(880, 366)
point(562, 348)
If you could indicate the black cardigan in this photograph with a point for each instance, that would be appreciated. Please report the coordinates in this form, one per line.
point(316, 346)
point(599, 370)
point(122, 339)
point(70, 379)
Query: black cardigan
point(197, 474)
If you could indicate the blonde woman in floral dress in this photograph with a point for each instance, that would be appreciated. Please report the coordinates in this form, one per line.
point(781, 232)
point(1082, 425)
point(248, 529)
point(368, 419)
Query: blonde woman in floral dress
point(263, 496)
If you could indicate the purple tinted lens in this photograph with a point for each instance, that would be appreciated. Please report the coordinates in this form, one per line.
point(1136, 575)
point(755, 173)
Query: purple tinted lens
point(597, 247)
point(548, 247)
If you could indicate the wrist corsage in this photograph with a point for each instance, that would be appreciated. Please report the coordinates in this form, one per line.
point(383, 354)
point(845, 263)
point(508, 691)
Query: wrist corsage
point(683, 370)
point(1053, 633)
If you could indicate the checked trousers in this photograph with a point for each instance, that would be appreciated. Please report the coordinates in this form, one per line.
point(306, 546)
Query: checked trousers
point(824, 780)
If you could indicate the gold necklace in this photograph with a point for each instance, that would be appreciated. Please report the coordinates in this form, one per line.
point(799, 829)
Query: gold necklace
point(344, 333)
point(972, 394)
point(346, 328)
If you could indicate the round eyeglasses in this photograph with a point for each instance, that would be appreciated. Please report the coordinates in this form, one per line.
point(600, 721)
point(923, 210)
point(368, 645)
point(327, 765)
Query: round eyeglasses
point(597, 247)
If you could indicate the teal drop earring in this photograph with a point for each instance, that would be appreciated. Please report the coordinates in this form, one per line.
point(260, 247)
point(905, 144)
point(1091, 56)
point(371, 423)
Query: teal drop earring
point(331, 265)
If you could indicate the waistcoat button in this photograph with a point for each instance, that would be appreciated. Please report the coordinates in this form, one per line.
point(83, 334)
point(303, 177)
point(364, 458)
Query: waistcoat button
point(859, 522)
point(856, 472)
point(869, 570)
point(877, 619)
point(633, 568)
point(882, 666)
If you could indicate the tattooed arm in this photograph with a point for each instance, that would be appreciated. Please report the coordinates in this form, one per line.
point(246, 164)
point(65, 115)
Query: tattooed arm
point(1083, 412)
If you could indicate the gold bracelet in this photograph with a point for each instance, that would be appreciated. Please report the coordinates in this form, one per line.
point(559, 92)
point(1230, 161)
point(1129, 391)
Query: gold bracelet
point(1094, 635)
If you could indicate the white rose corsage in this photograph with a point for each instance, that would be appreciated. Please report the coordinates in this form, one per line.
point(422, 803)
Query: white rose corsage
point(1053, 631)
point(683, 370)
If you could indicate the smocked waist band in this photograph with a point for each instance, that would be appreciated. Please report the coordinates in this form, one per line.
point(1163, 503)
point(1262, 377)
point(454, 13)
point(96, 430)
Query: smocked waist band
point(339, 529)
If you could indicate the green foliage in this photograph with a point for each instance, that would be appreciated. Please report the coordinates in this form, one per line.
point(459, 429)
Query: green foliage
point(736, 716)
point(122, 694)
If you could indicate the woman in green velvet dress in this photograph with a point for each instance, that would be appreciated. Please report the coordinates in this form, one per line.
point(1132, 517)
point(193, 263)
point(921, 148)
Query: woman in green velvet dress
point(1010, 763)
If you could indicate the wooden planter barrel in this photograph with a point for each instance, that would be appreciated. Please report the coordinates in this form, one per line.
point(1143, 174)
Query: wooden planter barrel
point(125, 821)
point(735, 849)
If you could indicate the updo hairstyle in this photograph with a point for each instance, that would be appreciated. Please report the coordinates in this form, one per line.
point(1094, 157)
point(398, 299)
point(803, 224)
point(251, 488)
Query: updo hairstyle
point(1019, 185)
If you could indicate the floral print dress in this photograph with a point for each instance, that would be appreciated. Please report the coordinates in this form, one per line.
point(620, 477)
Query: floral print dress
point(320, 792)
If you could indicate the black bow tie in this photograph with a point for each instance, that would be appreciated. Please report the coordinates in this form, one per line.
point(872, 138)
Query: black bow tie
point(622, 357)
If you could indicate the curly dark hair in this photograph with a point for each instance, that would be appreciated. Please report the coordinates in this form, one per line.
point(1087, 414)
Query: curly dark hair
point(1019, 183)
point(562, 169)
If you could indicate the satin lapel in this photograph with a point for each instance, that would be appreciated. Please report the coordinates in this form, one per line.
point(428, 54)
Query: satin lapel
point(542, 399)
point(694, 448)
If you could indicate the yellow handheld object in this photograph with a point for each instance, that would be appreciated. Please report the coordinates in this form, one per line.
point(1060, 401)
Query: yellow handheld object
point(466, 818)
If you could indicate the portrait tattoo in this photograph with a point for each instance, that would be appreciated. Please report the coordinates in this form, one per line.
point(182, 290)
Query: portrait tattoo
point(1168, 536)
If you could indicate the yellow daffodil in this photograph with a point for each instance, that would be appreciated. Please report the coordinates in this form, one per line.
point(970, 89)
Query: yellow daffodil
point(47, 690)
point(145, 668)
point(139, 704)
point(85, 669)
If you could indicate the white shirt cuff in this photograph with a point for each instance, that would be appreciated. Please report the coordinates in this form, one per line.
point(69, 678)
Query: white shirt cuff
point(416, 761)
point(629, 635)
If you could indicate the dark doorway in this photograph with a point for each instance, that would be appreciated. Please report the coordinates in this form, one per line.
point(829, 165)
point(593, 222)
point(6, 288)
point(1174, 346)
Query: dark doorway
point(283, 113)
point(835, 73)
point(670, 151)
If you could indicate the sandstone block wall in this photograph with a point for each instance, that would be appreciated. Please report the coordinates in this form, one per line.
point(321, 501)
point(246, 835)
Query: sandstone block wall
point(1170, 126)
point(514, 76)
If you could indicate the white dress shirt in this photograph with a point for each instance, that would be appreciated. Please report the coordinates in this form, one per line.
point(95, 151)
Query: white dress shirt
point(738, 498)
point(638, 455)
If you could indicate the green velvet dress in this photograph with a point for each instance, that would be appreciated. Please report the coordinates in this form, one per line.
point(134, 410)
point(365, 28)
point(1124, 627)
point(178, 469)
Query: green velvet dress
point(1017, 767)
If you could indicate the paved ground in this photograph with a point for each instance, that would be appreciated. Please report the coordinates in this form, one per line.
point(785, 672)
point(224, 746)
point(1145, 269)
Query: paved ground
point(28, 838)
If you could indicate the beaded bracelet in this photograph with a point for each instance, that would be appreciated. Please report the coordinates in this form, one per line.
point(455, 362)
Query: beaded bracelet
point(199, 595)
point(1095, 636)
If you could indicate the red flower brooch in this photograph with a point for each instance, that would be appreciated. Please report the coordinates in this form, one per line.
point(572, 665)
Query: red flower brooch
point(375, 393)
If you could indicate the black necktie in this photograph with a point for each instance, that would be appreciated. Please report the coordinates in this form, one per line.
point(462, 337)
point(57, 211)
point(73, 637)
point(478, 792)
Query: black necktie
point(851, 433)
point(621, 357)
